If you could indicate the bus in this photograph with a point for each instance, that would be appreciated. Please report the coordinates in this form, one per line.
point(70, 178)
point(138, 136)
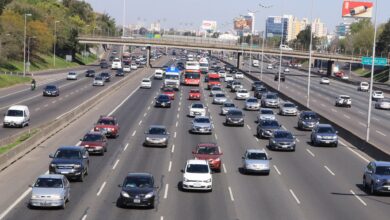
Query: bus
point(192, 65)
point(191, 78)
point(213, 80)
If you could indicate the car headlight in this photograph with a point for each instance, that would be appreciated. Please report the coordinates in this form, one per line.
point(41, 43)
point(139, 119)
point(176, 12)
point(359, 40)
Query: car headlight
point(77, 165)
point(208, 181)
point(185, 179)
point(34, 196)
point(319, 137)
point(55, 196)
point(149, 195)
point(148, 138)
point(125, 194)
point(273, 141)
point(52, 165)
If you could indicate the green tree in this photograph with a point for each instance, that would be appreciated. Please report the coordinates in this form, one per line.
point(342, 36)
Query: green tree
point(383, 43)
point(303, 38)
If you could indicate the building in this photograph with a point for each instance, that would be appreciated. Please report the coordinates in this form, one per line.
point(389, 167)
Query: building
point(319, 28)
point(344, 28)
point(274, 26)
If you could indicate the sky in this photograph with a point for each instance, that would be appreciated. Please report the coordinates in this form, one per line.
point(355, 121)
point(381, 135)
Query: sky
point(190, 13)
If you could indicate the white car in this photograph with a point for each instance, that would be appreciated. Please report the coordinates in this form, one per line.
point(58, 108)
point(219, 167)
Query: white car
point(252, 104)
point(229, 78)
point(343, 100)
point(98, 81)
point(288, 108)
point(197, 109)
point(158, 74)
point(116, 64)
point(363, 86)
point(376, 95)
point(197, 175)
point(325, 80)
point(126, 69)
point(146, 83)
point(242, 94)
point(239, 75)
point(286, 70)
point(72, 76)
point(133, 66)
point(215, 90)
point(285, 47)
point(265, 114)
point(222, 73)
point(344, 76)
point(383, 104)
point(269, 66)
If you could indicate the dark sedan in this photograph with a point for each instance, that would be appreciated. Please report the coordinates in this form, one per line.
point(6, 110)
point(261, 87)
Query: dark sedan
point(265, 128)
point(106, 76)
point(137, 190)
point(282, 140)
point(235, 117)
point(90, 73)
point(163, 101)
point(51, 90)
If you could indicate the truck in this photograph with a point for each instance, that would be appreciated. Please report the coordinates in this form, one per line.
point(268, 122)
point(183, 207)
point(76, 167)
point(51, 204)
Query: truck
point(213, 80)
point(172, 77)
point(204, 65)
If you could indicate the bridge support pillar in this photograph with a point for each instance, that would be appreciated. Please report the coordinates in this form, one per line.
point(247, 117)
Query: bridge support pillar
point(166, 50)
point(148, 50)
point(239, 55)
point(329, 68)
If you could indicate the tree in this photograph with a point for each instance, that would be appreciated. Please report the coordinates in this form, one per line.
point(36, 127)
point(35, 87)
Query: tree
point(3, 3)
point(383, 43)
point(303, 38)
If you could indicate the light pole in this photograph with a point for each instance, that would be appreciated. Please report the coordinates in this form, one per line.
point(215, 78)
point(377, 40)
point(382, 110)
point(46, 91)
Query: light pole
point(310, 56)
point(24, 43)
point(28, 52)
point(262, 57)
point(281, 54)
point(124, 18)
point(350, 64)
point(55, 43)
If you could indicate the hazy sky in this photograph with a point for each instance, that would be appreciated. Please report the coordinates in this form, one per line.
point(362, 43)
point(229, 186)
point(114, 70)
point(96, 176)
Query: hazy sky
point(190, 13)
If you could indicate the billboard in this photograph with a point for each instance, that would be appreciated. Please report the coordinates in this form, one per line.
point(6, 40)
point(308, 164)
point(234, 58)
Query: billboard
point(243, 23)
point(209, 25)
point(354, 9)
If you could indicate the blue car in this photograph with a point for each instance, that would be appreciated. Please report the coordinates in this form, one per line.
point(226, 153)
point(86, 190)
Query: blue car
point(324, 134)
point(376, 177)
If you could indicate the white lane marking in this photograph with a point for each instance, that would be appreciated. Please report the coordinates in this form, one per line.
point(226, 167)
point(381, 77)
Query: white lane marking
point(60, 99)
point(356, 153)
point(311, 153)
point(329, 170)
point(356, 196)
point(347, 116)
point(177, 116)
point(284, 127)
point(84, 217)
point(101, 188)
point(231, 193)
point(151, 102)
point(115, 164)
point(249, 127)
point(166, 191)
point(162, 218)
point(224, 168)
point(297, 139)
point(134, 133)
point(216, 137)
point(314, 100)
point(178, 109)
point(177, 123)
point(179, 103)
point(173, 148)
point(360, 112)
point(53, 102)
point(72, 93)
point(37, 109)
point(12, 206)
point(362, 124)
point(333, 110)
point(66, 96)
point(169, 166)
point(145, 114)
point(174, 134)
point(376, 119)
point(322, 104)
point(257, 139)
point(295, 197)
point(140, 122)
point(126, 147)
point(379, 132)
point(277, 170)
point(148, 107)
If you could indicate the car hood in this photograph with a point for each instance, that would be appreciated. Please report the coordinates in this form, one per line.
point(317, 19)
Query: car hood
point(310, 120)
point(326, 134)
point(197, 109)
point(156, 136)
point(251, 162)
point(13, 118)
point(46, 191)
point(65, 161)
point(269, 127)
point(235, 116)
point(137, 190)
point(203, 125)
point(197, 176)
point(289, 140)
point(289, 108)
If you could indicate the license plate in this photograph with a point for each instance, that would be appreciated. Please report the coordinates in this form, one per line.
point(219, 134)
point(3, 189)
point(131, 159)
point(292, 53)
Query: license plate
point(196, 184)
point(327, 142)
point(137, 201)
point(64, 172)
point(90, 149)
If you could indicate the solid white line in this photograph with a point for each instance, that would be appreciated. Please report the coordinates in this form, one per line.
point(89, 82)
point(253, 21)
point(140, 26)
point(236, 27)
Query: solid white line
point(169, 166)
point(277, 170)
point(356, 153)
point(330, 171)
point(12, 206)
point(311, 153)
point(249, 127)
point(166, 191)
point(347, 116)
point(134, 133)
point(224, 168)
point(295, 197)
point(101, 189)
point(140, 122)
point(116, 163)
point(231, 193)
point(126, 147)
point(356, 196)
point(84, 217)
point(322, 105)
point(174, 134)
point(173, 148)
point(379, 132)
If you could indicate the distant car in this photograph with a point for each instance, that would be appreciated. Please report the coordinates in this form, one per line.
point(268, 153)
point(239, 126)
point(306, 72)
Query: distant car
point(126, 69)
point(197, 109)
point(146, 83)
point(98, 81)
point(209, 152)
point(163, 101)
point(170, 92)
point(157, 135)
point(104, 65)
point(119, 72)
point(259, 91)
point(282, 77)
point(51, 90)
point(265, 128)
point(376, 95)
point(376, 177)
point(235, 117)
point(94, 142)
point(108, 125)
point(219, 98)
point(222, 73)
point(344, 101)
point(137, 190)
point(72, 76)
point(325, 80)
point(106, 76)
point(256, 161)
point(201, 125)
point(269, 66)
point(282, 140)
point(197, 176)
point(194, 94)
point(285, 47)
point(133, 66)
point(339, 74)
point(288, 108)
point(286, 70)
point(242, 94)
point(383, 104)
point(71, 161)
point(90, 73)
point(252, 104)
point(226, 106)
point(363, 86)
point(158, 74)
point(229, 78)
point(307, 120)
point(239, 75)
point(265, 114)
point(270, 100)
point(324, 134)
point(236, 85)
point(215, 90)
point(50, 190)
point(256, 84)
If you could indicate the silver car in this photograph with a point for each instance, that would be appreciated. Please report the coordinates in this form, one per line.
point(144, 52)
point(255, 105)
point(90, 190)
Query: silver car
point(265, 114)
point(98, 81)
point(50, 190)
point(270, 100)
point(383, 104)
point(252, 104)
point(376, 177)
point(215, 90)
point(201, 125)
point(156, 135)
point(219, 98)
point(256, 161)
point(288, 108)
point(226, 106)
point(282, 140)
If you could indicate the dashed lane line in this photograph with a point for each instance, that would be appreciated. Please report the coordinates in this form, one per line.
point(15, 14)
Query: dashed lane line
point(134, 132)
point(358, 197)
point(231, 194)
point(224, 168)
point(277, 170)
point(329, 170)
point(381, 133)
point(101, 188)
point(169, 166)
point(311, 153)
point(166, 191)
point(115, 164)
point(173, 148)
point(127, 145)
point(295, 197)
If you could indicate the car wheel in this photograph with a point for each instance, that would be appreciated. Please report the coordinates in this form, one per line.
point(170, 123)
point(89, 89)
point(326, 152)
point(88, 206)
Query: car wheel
point(86, 170)
point(364, 183)
point(63, 204)
point(105, 149)
point(335, 144)
point(81, 178)
point(372, 190)
point(312, 142)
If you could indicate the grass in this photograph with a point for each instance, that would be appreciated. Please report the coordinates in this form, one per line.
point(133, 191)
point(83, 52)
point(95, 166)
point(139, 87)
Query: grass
point(23, 137)
point(9, 80)
point(362, 72)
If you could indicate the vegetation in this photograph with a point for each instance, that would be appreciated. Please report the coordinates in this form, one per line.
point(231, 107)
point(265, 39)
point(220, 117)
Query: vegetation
point(9, 80)
point(23, 137)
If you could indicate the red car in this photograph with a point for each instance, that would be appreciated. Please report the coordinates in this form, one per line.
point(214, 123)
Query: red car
point(94, 142)
point(194, 94)
point(211, 153)
point(169, 92)
point(108, 125)
point(339, 74)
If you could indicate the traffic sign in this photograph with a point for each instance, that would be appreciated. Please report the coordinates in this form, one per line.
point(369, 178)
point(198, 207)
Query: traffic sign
point(378, 61)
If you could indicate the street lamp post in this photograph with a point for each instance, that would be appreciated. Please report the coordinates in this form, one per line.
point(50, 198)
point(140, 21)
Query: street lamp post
point(124, 18)
point(55, 43)
point(310, 56)
point(262, 57)
point(281, 54)
point(24, 43)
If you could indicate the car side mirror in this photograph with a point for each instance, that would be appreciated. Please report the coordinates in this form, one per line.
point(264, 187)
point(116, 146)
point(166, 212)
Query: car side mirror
point(337, 132)
point(51, 155)
point(182, 170)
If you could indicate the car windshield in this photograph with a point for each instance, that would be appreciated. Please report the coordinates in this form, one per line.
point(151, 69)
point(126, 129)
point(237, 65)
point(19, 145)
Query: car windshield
point(92, 137)
point(212, 79)
point(138, 182)
point(15, 113)
point(105, 121)
point(50, 87)
point(230, 105)
point(157, 130)
point(220, 95)
point(71, 73)
point(216, 89)
point(202, 120)
point(104, 74)
point(48, 183)
point(68, 154)
point(145, 80)
point(257, 156)
point(257, 83)
point(197, 168)
point(207, 150)
point(194, 91)
point(190, 75)
point(242, 91)
point(197, 105)
point(252, 100)
point(385, 100)
point(267, 112)
point(167, 76)
point(98, 78)
point(283, 134)
point(289, 105)
point(378, 93)
point(310, 116)
point(271, 96)
point(382, 170)
point(163, 98)
point(269, 123)
point(344, 97)
point(325, 130)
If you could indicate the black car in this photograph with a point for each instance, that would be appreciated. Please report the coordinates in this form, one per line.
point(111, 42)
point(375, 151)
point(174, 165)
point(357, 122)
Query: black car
point(119, 72)
point(104, 65)
point(51, 90)
point(265, 128)
point(282, 77)
point(112, 58)
point(235, 117)
point(106, 76)
point(256, 84)
point(307, 120)
point(138, 190)
point(259, 91)
point(163, 101)
point(228, 68)
point(71, 161)
point(282, 140)
point(90, 73)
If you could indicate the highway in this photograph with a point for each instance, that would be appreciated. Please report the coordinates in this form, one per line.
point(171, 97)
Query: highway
point(311, 183)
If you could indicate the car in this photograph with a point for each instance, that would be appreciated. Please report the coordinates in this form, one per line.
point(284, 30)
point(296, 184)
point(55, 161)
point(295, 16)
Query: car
point(194, 94)
point(236, 85)
point(282, 140)
point(285, 47)
point(256, 161)
point(108, 125)
point(211, 153)
point(229, 78)
point(51, 90)
point(270, 100)
point(106, 76)
point(222, 73)
point(242, 94)
point(339, 74)
point(238, 75)
point(119, 72)
point(256, 84)
point(215, 90)
point(50, 190)
point(228, 67)
point(383, 104)
point(265, 128)
point(286, 70)
point(282, 77)
point(226, 106)
point(98, 81)
point(344, 101)
point(90, 73)
point(219, 98)
point(324, 80)
point(137, 190)
point(235, 117)
point(201, 125)
point(94, 142)
point(252, 104)
point(104, 65)
point(197, 109)
point(376, 177)
point(259, 91)
point(133, 66)
point(197, 176)
point(265, 114)
point(17, 116)
point(163, 101)
point(324, 134)
point(126, 69)
point(146, 83)
point(156, 135)
point(363, 86)
point(376, 95)
point(288, 108)
point(71, 161)
point(307, 120)
point(158, 74)
point(170, 92)
point(269, 66)
point(72, 76)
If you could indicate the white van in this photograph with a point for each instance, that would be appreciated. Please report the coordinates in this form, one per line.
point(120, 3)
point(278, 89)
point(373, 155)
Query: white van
point(255, 63)
point(116, 64)
point(285, 47)
point(17, 116)
point(158, 74)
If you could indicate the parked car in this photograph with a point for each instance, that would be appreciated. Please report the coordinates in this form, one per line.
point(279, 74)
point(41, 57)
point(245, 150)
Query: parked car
point(209, 152)
point(162, 100)
point(256, 161)
point(307, 120)
point(376, 95)
point(226, 106)
point(197, 176)
point(51, 90)
point(201, 125)
point(265, 114)
point(363, 86)
point(288, 108)
point(157, 135)
point(108, 125)
point(197, 109)
point(94, 142)
point(376, 177)
point(265, 128)
point(282, 140)
point(383, 104)
point(137, 190)
point(146, 83)
point(72, 76)
point(194, 94)
point(235, 117)
point(344, 101)
point(324, 134)
point(252, 104)
point(219, 98)
point(98, 81)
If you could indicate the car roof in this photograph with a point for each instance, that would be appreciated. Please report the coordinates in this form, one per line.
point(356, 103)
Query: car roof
point(157, 126)
point(163, 95)
point(201, 162)
point(198, 116)
point(382, 163)
point(94, 132)
point(324, 125)
point(17, 107)
point(54, 176)
point(70, 148)
point(139, 175)
point(344, 96)
point(207, 145)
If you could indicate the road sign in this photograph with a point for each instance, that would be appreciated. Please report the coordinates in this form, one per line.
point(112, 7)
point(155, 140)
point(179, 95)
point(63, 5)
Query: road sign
point(378, 61)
